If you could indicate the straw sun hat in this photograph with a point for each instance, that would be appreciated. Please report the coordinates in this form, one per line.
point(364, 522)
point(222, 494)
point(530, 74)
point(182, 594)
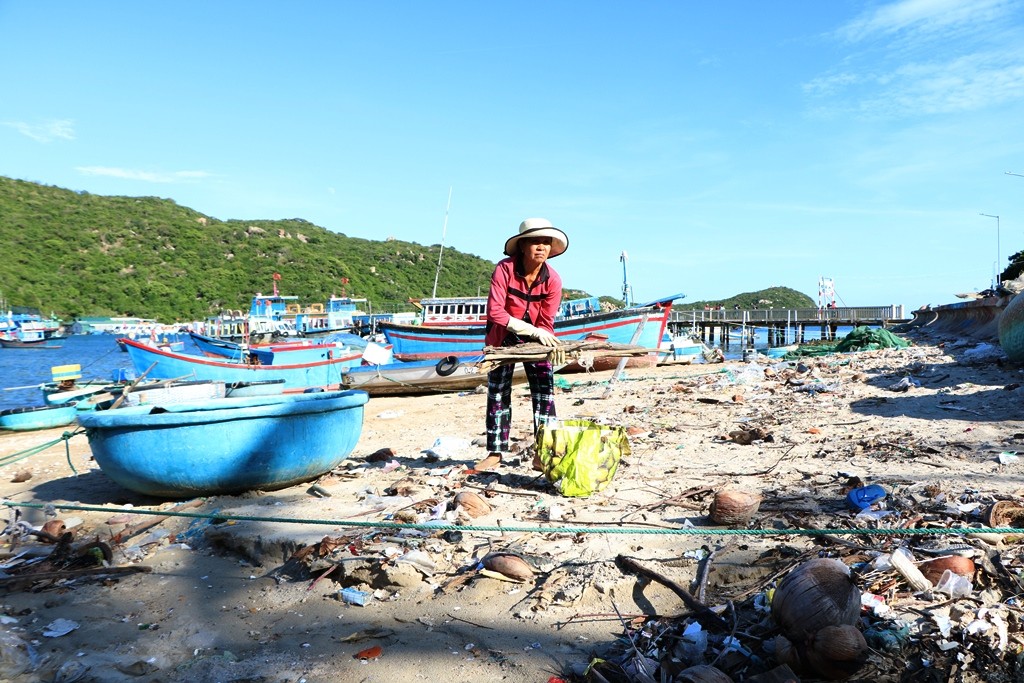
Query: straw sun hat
point(538, 227)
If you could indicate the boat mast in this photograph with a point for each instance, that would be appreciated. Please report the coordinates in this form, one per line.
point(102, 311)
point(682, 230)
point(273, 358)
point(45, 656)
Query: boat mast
point(444, 229)
point(627, 291)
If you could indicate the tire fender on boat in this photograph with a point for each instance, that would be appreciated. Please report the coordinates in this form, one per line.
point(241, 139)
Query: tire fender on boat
point(447, 366)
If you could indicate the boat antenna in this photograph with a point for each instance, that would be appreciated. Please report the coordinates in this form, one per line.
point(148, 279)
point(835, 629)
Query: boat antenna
point(626, 289)
point(444, 230)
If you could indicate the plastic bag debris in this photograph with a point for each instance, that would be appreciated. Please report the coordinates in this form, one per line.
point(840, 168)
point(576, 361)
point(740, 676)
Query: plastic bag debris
point(60, 627)
point(17, 656)
point(447, 447)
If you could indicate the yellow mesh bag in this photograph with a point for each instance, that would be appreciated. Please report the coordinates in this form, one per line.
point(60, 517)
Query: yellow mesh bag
point(580, 457)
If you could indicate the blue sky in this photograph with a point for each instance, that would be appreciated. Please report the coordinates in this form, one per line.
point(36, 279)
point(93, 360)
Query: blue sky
point(726, 147)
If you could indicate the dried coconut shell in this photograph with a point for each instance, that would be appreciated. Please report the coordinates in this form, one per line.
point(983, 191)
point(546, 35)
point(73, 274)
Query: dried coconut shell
point(702, 673)
point(836, 652)
point(780, 674)
point(473, 504)
point(933, 569)
point(816, 594)
point(732, 506)
point(1006, 514)
point(55, 528)
point(507, 564)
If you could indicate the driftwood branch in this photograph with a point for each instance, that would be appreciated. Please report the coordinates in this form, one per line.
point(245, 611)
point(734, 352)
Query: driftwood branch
point(11, 582)
point(704, 615)
point(136, 529)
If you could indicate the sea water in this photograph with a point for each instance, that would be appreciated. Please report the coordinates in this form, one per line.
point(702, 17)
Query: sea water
point(23, 371)
point(735, 348)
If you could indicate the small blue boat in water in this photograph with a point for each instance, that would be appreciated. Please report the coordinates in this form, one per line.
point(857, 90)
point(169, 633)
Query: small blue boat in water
point(37, 417)
point(227, 445)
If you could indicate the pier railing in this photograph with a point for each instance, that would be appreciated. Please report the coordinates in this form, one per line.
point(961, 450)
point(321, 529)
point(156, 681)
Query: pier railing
point(846, 315)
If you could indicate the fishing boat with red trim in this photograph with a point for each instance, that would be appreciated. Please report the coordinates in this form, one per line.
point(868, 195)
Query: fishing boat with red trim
point(578, 320)
point(319, 367)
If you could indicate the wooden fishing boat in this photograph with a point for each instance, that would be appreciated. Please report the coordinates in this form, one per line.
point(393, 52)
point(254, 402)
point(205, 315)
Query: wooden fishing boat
point(225, 446)
point(290, 351)
point(413, 378)
point(639, 325)
point(29, 340)
point(322, 373)
point(418, 377)
point(37, 417)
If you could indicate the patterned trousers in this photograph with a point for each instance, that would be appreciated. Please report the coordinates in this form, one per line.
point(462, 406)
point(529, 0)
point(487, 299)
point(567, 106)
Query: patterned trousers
point(499, 401)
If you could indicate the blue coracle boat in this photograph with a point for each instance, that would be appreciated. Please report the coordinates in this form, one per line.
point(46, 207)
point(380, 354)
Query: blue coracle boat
point(37, 417)
point(228, 445)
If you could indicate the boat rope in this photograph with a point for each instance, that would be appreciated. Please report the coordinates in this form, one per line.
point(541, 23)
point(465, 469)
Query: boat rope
point(28, 452)
point(536, 529)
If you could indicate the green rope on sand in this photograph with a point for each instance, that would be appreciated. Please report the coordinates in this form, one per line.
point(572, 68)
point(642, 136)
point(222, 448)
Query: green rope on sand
point(640, 531)
point(28, 452)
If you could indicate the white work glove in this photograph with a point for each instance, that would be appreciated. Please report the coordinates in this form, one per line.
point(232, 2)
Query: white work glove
point(525, 329)
point(557, 356)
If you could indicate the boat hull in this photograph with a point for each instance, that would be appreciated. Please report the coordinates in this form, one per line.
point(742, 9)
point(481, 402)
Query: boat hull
point(425, 342)
point(48, 343)
point(163, 364)
point(225, 446)
point(419, 377)
point(41, 417)
point(267, 387)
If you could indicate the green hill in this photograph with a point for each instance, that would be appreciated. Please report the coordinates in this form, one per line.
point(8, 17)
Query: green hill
point(773, 297)
point(81, 254)
point(77, 254)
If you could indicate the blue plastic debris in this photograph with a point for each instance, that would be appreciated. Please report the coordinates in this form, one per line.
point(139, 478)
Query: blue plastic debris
point(354, 596)
point(863, 497)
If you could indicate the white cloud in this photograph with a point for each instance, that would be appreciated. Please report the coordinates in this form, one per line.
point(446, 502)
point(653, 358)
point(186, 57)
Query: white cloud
point(925, 57)
point(924, 17)
point(144, 176)
point(47, 131)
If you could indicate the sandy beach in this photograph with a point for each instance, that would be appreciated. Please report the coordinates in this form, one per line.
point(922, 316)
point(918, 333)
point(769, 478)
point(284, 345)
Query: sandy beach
point(937, 425)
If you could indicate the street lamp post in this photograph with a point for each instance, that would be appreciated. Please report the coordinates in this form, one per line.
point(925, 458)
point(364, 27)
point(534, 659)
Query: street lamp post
point(999, 255)
point(1016, 174)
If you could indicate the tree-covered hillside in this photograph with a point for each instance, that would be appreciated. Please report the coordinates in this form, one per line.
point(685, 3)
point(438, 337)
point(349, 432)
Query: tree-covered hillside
point(773, 297)
point(82, 254)
point(77, 254)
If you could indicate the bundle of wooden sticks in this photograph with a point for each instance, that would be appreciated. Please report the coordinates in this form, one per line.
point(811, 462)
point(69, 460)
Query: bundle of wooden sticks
point(496, 356)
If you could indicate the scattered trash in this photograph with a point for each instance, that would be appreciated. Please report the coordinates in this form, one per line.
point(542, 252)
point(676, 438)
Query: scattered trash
point(381, 455)
point(865, 497)
point(1008, 458)
point(369, 653)
point(905, 384)
point(17, 656)
point(354, 596)
point(447, 447)
point(984, 353)
point(60, 627)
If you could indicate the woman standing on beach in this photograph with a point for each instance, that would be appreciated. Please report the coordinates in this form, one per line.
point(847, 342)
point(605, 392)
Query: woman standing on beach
point(524, 298)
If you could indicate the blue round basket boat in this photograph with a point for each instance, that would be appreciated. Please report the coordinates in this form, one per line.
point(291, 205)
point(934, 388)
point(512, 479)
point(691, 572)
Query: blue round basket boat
point(37, 417)
point(226, 445)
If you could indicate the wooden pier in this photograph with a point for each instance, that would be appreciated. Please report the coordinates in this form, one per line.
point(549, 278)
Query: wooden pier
point(732, 326)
